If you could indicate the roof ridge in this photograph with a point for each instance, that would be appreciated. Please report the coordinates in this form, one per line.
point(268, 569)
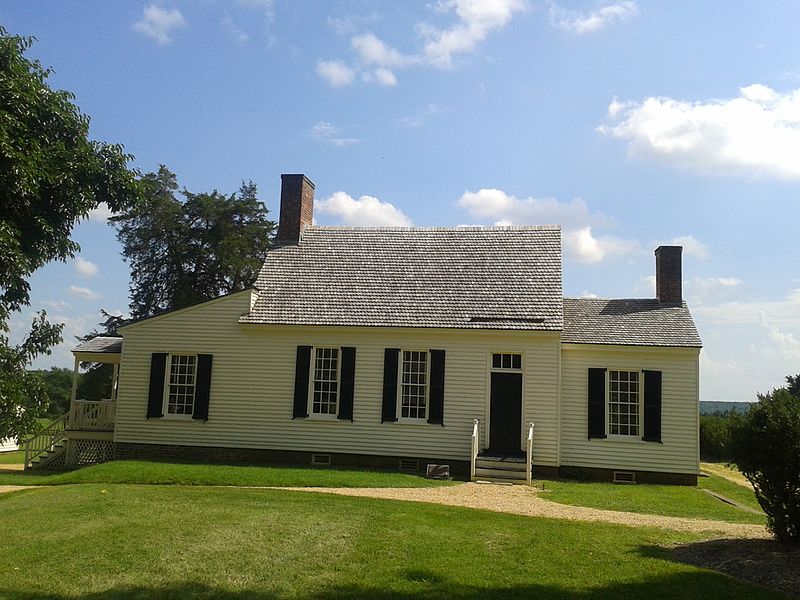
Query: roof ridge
point(449, 229)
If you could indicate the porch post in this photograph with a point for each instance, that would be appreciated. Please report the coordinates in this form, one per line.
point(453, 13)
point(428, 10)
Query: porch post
point(74, 387)
point(114, 382)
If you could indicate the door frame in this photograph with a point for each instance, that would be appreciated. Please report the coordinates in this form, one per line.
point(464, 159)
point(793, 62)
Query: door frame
point(486, 442)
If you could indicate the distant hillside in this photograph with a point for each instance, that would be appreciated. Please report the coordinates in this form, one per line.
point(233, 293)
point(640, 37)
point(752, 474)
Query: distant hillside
point(709, 407)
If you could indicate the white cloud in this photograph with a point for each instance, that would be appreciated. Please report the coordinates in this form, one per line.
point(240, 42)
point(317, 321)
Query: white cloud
point(85, 268)
point(335, 72)
point(583, 246)
point(159, 23)
point(381, 76)
point(330, 134)
point(580, 243)
point(101, 214)
point(365, 211)
point(701, 289)
point(691, 246)
point(421, 118)
point(239, 36)
point(580, 23)
point(496, 205)
point(84, 293)
point(754, 134)
point(475, 20)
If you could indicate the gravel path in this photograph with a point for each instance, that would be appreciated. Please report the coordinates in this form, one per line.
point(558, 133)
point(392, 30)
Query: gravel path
point(521, 500)
point(4, 489)
point(729, 474)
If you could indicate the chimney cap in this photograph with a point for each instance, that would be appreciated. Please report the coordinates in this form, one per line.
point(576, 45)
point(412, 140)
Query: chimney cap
point(291, 176)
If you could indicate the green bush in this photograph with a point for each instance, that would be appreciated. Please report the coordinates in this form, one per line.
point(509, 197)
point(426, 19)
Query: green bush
point(715, 436)
point(765, 444)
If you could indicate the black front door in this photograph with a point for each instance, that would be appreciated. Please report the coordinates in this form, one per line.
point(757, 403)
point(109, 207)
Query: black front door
point(505, 413)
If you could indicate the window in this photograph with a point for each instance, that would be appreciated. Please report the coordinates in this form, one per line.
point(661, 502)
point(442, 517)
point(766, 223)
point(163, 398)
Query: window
point(507, 361)
point(623, 403)
point(414, 385)
point(181, 384)
point(325, 393)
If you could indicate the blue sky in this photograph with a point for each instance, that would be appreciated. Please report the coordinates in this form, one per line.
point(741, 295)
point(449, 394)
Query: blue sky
point(630, 124)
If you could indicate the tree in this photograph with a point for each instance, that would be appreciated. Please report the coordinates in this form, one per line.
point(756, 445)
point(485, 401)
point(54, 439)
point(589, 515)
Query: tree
point(793, 386)
point(185, 252)
point(51, 176)
point(57, 383)
point(765, 444)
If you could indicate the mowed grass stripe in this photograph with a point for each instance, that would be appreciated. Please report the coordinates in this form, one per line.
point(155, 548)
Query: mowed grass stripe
point(130, 541)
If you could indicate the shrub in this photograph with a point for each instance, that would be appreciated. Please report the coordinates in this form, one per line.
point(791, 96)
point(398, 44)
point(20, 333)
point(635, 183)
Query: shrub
point(715, 436)
point(765, 444)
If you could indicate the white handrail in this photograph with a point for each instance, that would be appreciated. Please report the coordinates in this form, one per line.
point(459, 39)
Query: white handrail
point(98, 415)
point(529, 451)
point(475, 447)
point(45, 440)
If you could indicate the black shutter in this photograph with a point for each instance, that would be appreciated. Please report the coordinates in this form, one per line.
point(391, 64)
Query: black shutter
point(301, 382)
point(202, 389)
point(597, 403)
point(389, 410)
point(155, 396)
point(652, 406)
point(347, 384)
point(436, 398)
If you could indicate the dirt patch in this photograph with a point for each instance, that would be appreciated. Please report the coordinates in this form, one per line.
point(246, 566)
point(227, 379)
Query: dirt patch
point(11, 468)
point(765, 562)
point(4, 489)
point(726, 473)
point(522, 500)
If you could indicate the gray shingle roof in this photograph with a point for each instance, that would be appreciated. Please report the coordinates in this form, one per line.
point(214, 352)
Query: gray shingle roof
point(465, 277)
point(636, 322)
point(108, 345)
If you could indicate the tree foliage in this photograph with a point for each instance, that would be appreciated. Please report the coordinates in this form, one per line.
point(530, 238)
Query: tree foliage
point(51, 176)
point(57, 382)
point(182, 252)
point(715, 436)
point(765, 444)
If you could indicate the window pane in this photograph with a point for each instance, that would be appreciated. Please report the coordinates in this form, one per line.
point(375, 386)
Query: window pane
point(326, 381)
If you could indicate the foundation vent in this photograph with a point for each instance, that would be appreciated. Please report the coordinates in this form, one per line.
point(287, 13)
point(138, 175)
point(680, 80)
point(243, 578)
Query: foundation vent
point(409, 464)
point(624, 477)
point(321, 460)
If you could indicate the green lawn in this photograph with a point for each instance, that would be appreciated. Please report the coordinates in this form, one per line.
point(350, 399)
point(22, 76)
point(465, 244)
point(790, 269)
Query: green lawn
point(10, 458)
point(161, 473)
point(134, 542)
point(670, 500)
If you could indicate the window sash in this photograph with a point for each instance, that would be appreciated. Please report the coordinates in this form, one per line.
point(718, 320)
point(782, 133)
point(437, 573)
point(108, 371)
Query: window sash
point(180, 384)
point(413, 385)
point(506, 361)
point(325, 378)
point(624, 403)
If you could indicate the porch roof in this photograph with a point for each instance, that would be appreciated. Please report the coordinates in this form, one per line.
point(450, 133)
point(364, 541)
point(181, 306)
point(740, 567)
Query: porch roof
point(99, 349)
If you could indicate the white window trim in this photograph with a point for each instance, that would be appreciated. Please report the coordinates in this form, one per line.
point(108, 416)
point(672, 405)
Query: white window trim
point(165, 401)
point(494, 369)
point(399, 407)
point(620, 437)
point(310, 398)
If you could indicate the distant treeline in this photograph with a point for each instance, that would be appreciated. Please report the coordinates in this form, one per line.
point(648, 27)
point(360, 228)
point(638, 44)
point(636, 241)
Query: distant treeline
point(712, 407)
point(94, 384)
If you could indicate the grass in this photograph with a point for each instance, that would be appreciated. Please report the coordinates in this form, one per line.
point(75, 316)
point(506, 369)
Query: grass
point(162, 473)
point(669, 500)
point(11, 458)
point(729, 489)
point(131, 542)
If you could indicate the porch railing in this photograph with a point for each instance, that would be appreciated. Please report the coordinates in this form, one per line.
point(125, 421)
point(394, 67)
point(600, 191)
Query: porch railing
point(45, 440)
point(476, 447)
point(92, 415)
point(529, 452)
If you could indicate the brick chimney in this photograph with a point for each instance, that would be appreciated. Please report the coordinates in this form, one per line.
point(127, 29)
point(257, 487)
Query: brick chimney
point(297, 207)
point(668, 275)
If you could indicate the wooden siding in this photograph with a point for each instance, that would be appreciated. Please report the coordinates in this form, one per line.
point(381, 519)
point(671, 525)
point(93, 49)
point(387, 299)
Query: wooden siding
point(678, 452)
point(253, 380)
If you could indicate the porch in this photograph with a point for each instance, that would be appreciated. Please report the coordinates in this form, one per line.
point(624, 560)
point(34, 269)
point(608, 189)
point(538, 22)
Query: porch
point(84, 434)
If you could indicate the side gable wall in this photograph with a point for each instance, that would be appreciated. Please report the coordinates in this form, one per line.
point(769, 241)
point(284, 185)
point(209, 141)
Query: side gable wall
point(252, 385)
point(678, 452)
